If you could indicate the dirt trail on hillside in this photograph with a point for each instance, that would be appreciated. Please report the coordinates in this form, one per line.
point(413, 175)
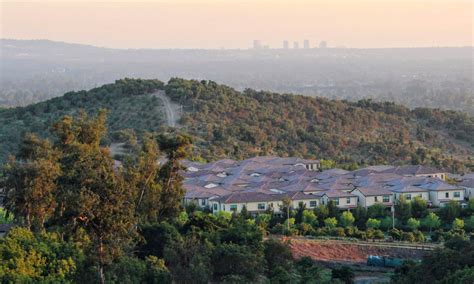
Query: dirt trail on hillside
point(345, 252)
point(172, 110)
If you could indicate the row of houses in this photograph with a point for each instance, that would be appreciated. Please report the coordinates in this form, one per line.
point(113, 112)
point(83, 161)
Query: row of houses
point(262, 183)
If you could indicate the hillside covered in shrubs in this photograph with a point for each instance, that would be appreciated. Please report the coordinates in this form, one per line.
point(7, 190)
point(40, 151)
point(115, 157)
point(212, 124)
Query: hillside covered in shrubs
point(228, 123)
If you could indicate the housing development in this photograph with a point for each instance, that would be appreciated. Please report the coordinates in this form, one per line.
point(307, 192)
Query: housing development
point(262, 183)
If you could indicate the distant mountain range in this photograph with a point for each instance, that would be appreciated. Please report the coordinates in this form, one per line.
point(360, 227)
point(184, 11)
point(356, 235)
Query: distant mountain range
point(36, 70)
point(227, 123)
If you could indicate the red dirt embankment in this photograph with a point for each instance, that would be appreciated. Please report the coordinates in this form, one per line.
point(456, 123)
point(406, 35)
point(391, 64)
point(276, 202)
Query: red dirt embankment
point(324, 250)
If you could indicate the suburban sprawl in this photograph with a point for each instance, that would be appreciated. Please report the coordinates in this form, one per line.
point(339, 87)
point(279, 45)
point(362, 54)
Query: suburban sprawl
point(260, 184)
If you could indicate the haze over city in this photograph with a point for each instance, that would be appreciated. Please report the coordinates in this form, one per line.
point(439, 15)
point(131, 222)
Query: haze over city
point(235, 24)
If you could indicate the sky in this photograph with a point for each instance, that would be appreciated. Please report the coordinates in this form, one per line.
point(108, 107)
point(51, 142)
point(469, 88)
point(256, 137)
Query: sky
point(235, 24)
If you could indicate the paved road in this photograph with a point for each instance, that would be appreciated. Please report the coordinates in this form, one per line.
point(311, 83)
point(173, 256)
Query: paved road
point(172, 110)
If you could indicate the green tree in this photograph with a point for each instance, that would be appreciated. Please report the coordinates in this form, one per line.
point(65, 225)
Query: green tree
point(387, 223)
point(236, 260)
point(310, 218)
point(93, 195)
point(470, 223)
point(373, 223)
point(330, 222)
point(345, 274)
point(413, 224)
point(402, 209)
point(143, 174)
point(360, 215)
point(450, 211)
point(299, 212)
point(30, 182)
point(37, 258)
point(333, 210)
point(458, 224)
point(189, 260)
point(321, 212)
point(176, 149)
point(346, 219)
point(5, 217)
point(431, 221)
point(376, 211)
point(419, 207)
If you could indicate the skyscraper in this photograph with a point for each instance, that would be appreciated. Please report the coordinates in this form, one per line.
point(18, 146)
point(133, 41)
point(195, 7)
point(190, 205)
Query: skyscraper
point(296, 45)
point(257, 44)
point(286, 44)
point(306, 44)
point(323, 44)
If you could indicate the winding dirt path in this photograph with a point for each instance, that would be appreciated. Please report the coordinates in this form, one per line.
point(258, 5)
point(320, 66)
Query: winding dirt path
point(172, 110)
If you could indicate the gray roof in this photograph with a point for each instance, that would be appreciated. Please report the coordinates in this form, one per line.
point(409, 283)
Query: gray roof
point(373, 191)
point(413, 170)
point(244, 197)
point(467, 183)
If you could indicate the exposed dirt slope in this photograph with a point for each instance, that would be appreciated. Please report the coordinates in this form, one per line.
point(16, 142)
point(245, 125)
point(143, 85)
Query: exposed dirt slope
point(348, 252)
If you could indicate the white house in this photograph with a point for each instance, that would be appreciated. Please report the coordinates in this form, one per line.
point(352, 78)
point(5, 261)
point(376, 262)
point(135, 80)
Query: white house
point(368, 196)
point(441, 192)
point(343, 200)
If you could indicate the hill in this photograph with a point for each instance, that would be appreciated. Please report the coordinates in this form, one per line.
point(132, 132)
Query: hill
point(228, 123)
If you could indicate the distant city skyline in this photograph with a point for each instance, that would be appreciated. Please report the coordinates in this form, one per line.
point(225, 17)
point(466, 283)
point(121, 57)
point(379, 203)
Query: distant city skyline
point(234, 24)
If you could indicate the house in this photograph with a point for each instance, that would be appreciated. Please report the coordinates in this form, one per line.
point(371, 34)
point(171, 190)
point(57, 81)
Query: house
point(343, 200)
point(368, 196)
point(254, 202)
point(441, 192)
point(468, 185)
point(409, 188)
point(310, 201)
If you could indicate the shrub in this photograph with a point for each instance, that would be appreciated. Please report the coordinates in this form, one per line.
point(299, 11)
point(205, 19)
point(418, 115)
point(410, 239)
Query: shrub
point(305, 229)
point(330, 222)
point(373, 223)
point(413, 224)
point(419, 236)
point(338, 232)
point(396, 234)
point(378, 234)
point(408, 236)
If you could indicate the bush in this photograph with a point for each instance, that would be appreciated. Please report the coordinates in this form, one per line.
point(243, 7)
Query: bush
point(396, 234)
point(408, 237)
point(305, 229)
point(373, 223)
point(345, 274)
point(419, 236)
point(379, 235)
point(338, 232)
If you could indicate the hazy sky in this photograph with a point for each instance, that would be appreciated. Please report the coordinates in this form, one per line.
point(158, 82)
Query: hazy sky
point(234, 24)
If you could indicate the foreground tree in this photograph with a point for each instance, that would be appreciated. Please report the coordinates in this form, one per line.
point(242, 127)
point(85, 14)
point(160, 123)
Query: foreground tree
point(94, 196)
point(30, 182)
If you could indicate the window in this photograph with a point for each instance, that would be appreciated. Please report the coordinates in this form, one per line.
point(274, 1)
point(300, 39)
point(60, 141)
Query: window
point(408, 196)
point(457, 194)
point(376, 198)
point(203, 202)
point(386, 198)
point(446, 195)
point(348, 200)
point(261, 206)
point(223, 207)
point(313, 203)
point(214, 206)
point(233, 207)
point(336, 201)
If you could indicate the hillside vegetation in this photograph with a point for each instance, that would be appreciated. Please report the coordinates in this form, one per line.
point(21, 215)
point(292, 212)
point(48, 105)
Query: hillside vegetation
point(243, 125)
point(228, 123)
point(128, 103)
